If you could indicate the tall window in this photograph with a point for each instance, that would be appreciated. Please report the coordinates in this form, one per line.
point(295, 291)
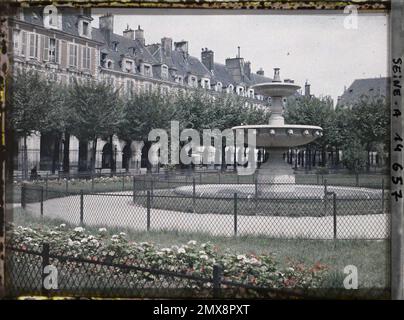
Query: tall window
point(16, 41)
point(33, 45)
point(53, 50)
point(23, 51)
point(73, 55)
point(86, 58)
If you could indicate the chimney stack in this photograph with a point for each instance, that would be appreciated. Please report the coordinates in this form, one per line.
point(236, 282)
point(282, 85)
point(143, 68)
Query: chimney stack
point(260, 72)
point(129, 33)
point(181, 46)
point(207, 58)
point(307, 89)
point(139, 35)
point(106, 23)
point(247, 69)
point(277, 77)
point(167, 46)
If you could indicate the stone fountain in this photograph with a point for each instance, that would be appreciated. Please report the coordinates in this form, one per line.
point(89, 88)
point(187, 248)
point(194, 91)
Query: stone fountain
point(277, 137)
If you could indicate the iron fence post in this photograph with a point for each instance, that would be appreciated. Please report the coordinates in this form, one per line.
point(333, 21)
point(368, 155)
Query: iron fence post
point(193, 194)
point(334, 201)
point(46, 186)
point(41, 201)
point(134, 188)
point(235, 214)
point(123, 182)
point(148, 211)
point(217, 279)
point(383, 195)
point(81, 207)
point(45, 262)
point(67, 186)
point(92, 182)
point(325, 197)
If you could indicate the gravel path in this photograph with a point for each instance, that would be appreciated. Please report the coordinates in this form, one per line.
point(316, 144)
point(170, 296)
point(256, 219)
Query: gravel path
point(118, 210)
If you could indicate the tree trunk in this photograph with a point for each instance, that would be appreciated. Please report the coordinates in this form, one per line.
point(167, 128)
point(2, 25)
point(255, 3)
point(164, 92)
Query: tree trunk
point(55, 157)
point(25, 160)
point(66, 153)
point(93, 155)
point(113, 156)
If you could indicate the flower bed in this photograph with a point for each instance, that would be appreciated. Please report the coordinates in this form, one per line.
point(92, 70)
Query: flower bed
point(192, 258)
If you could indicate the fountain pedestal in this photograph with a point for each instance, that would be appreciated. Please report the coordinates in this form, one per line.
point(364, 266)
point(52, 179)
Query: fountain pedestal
point(276, 169)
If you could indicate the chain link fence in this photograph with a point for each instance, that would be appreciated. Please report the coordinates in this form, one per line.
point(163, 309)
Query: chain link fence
point(219, 204)
point(75, 276)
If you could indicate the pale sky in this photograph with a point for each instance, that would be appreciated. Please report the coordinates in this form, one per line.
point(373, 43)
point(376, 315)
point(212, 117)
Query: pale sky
point(306, 46)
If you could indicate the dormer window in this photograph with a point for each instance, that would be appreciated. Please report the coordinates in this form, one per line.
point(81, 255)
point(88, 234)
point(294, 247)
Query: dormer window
point(164, 72)
point(128, 65)
point(230, 88)
point(86, 28)
point(115, 45)
point(240, 90)
point(193, 81)
point(109, 64)
point(179, 79)
point(50, 17)
point(251, 93)
point(205, 83)
point(147, 70)
point(219, 87)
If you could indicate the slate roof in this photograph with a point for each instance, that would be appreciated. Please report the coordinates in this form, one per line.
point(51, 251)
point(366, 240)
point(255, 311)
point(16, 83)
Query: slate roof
point(152, 53)
point(371, 87)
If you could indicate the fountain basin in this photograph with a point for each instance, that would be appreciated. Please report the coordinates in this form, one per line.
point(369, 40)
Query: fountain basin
point(288, 135)
point(276, 89)
point(277, 191)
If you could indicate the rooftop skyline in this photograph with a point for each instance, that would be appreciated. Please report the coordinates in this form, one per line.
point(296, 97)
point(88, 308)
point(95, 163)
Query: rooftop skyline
point(309, 47)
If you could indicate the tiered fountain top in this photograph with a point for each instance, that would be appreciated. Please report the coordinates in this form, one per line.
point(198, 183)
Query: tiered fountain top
point(276, 133)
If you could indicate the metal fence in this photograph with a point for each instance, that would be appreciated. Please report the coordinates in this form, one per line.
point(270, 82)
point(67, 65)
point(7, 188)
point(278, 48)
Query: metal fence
point(75, 276)
point(227, 205)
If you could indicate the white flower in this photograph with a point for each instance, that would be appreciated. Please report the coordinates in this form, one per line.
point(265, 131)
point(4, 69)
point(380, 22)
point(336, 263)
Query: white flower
point(202, 252)
point(79, 229)
point(122, 234)
point(70, 242)
point(192, 242)
point(181, 250)
point(290, 269)
point(204, 256)
point(111, 253)
point(101, 230)
point(166, 250)
point(84, 240)
point(62, 226)
point(241, 257)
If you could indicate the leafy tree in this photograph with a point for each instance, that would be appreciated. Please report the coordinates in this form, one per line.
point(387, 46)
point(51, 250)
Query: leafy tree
point(30, 101)
point(317, 112)
point(143, 113)
point(370, 118)
point(95, 112)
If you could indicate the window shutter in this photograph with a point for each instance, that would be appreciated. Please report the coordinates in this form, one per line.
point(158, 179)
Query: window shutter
point(37, 44)
point(45, 47)
point(57, 51)
point(80, 56)
point(92, 61)
point(63, 54)
point(24, 43)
